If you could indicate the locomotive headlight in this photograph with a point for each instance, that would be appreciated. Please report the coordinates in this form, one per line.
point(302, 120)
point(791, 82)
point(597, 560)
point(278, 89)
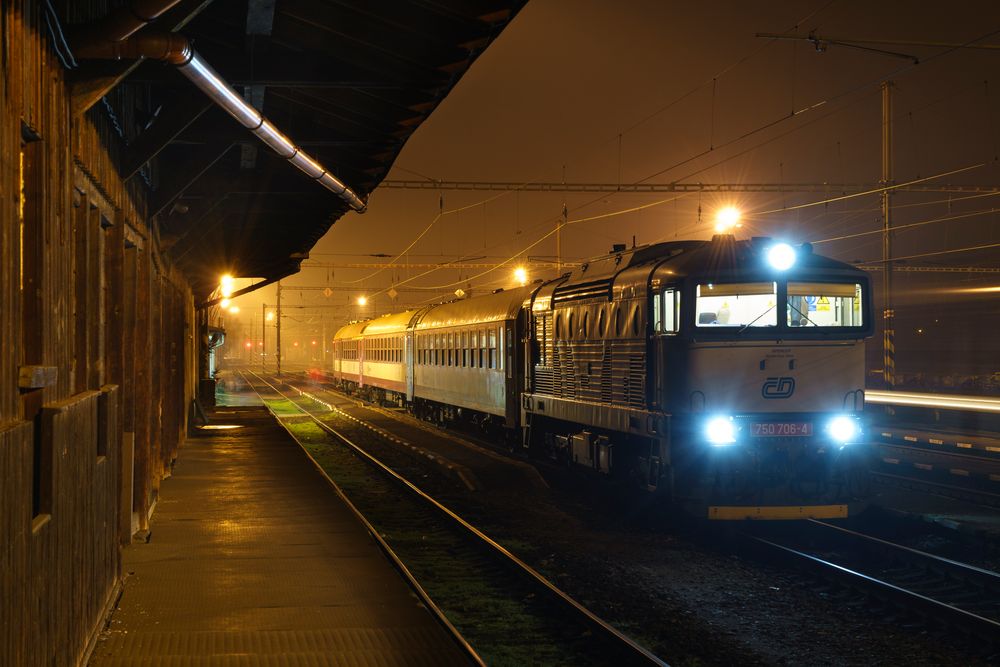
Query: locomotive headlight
point(843, 429)
point(720, 431)
point(781, 256)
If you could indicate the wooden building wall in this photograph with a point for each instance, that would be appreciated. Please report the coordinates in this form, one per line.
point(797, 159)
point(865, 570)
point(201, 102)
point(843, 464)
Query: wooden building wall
point(96, 361)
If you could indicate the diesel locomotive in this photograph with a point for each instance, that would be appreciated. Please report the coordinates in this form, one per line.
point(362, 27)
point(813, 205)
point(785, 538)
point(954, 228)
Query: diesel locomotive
point(726, 374)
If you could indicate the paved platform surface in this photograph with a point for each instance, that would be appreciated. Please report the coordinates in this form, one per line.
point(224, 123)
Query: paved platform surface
point(252, 560)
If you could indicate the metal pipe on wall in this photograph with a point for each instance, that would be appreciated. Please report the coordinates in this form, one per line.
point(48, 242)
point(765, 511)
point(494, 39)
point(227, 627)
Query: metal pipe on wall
point(176, 49)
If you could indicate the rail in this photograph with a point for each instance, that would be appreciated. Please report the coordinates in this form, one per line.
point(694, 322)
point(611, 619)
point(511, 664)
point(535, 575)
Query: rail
point(958, 595)
point(633, 652)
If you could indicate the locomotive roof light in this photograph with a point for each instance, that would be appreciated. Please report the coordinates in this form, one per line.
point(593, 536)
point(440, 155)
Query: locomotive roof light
point(843, 429)
point(781, 256)
point(720, 431)
point(727, 219)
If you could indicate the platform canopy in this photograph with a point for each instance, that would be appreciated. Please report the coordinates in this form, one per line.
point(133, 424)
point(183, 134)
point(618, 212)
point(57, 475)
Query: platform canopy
point(347, 80)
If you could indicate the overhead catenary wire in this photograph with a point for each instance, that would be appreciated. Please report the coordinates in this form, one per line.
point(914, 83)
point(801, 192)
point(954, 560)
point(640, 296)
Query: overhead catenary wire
point(618, 136)
point(911, 225)
point(772, 123)
point(986, 246)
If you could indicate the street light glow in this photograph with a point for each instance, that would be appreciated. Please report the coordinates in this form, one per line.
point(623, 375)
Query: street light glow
point(521, 275)
point(234, 309)
point(226, 285)
point(362, 300)
point(270, 316)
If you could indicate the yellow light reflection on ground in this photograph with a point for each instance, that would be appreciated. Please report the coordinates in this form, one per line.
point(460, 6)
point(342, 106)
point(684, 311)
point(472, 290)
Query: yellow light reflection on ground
point(219, 427)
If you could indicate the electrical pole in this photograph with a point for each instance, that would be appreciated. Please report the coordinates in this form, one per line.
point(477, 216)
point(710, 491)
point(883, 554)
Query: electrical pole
point(888, 330)
point(277, 325)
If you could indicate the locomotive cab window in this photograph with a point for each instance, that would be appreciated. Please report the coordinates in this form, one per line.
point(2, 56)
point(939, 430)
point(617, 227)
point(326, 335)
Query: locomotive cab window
point(736, 305)
point(824, 305)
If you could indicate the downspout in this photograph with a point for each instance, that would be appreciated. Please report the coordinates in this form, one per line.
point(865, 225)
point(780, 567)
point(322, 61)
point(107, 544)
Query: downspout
point(176, 50)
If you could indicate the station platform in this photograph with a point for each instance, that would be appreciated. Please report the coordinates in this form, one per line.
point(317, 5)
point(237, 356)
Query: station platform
point(253, 560)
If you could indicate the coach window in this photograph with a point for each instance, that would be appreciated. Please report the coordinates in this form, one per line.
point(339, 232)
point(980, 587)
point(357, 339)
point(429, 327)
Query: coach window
point(493, 348)
point(500, 348)
point(482, 348)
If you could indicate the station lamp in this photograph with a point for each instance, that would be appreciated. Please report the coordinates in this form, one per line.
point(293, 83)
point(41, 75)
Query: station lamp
point(270, 316)
point(234, 309)
point(362, 300)
point(226, 285)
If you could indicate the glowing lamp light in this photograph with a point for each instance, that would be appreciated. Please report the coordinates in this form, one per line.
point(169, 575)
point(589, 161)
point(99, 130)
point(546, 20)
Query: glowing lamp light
point(226, 285)
point(781, 256)
point(314, 342)
point(362, 300)
point(842, 429)
point(296, 343)
point(727, 219)
point(269, 317)
point(224, 303)
point(521, 275)
point(249, 345)
point(234, 309)
point(720, 431)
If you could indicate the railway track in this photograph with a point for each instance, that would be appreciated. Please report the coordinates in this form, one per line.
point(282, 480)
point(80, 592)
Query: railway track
point(919, 588)
point(488, 595)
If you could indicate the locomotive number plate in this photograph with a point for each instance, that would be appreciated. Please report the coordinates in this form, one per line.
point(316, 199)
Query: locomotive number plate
point(780, 429)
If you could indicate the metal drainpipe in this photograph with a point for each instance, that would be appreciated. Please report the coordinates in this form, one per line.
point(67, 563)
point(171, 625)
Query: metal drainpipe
point(176, 49)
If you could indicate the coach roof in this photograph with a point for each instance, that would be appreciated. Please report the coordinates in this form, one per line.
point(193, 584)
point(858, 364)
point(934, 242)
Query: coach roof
point(494, 307)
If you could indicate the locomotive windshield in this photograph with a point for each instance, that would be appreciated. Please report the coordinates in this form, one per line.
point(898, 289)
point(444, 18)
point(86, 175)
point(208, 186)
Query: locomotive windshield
point(829, 306)
point(824, 305)
point(737, 305)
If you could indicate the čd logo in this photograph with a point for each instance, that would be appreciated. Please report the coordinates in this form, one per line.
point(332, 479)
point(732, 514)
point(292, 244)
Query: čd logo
point(782, 387)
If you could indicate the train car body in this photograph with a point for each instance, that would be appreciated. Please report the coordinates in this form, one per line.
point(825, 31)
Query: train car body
point(467, 356)
point(348, 354)
point(726, 374)
point(703, 368)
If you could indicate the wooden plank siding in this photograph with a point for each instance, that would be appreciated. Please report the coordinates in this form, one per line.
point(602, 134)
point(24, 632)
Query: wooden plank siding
point(86, 292)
